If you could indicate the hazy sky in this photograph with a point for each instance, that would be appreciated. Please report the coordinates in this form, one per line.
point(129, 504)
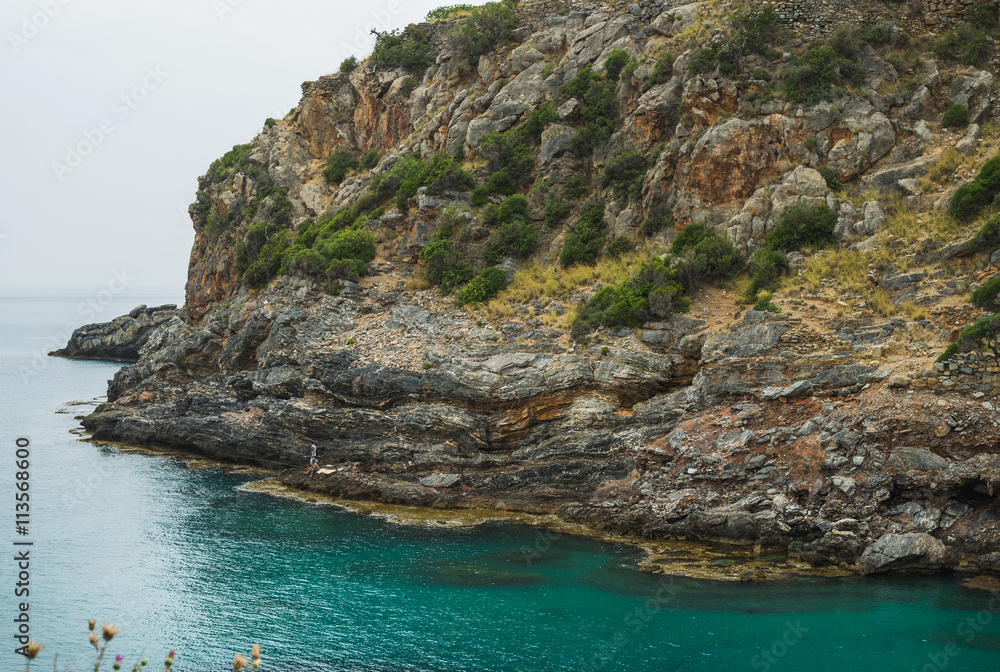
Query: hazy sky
point(112, 109)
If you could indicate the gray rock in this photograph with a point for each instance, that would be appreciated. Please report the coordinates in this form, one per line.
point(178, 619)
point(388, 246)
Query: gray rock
point(845, 484)
point(912, 551)
point(917, 459)
point(973, 91)
point(967, 145)
point(440, 480)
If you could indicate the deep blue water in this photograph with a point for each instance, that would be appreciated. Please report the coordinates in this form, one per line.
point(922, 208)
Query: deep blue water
point(182, 558)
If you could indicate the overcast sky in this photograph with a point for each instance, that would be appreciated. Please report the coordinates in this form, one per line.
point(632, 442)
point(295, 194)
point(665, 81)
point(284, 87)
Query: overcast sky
point(112, 109)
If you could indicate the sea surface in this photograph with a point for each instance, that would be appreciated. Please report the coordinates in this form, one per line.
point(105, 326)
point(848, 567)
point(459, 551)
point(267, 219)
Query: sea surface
point(183, 558)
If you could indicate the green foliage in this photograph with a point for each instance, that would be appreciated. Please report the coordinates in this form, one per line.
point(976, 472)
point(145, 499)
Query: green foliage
point(689, 237)
point(821, 70)
point(514, 207)
point(584, 245)
point(988, 238)
point(658, 217)
point(261, 255)
point(516, 235)
point(619, 246)
point(338, 164)
point(349, 64)
point(986, 296)
point(625, 174)
point(969, 200)
point(369, 159)
point(480, 195)
point(236, 160)
point(764, 303)
point(448, 11)
point(508, 154)
point(663, 69)
point(410, 50)
point(989, 174)
point(270, 123)
point(556, 212)
point(615, 63)
point(753, 34)
point(488, 283)
point(350, 244)
point(948, 353)
point(802, 225)
point(984, 334)
point(957, 116)
point(407, 85)
point(766, 269)
point(444, 172)
point(965, 44)
point(482, 31)
point(702, 254)
point(576, 188)
point(445, 268)
point(832, 181)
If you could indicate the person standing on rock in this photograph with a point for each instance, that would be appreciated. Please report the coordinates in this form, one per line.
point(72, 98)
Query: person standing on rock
point(313, 462)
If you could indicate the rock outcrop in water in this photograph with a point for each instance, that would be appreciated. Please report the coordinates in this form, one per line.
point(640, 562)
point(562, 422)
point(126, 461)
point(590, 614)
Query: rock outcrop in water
point(797, 431)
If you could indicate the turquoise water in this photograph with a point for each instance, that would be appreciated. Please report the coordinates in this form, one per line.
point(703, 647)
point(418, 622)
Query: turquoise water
point(182, 558)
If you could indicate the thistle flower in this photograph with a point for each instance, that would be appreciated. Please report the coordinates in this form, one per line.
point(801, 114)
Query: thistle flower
point(109, 631)
point(239, 661)
point(118, 662)
point(33, 649)
point(255, 652)
point(93, 639)
point(170, 659)
point(91, 622)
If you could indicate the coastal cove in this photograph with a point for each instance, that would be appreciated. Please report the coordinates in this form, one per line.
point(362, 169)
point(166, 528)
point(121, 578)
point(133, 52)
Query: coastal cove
point(189, 558)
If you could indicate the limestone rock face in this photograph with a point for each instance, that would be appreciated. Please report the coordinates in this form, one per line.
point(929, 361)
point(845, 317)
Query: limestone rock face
point(123, 338)
point(912, 551)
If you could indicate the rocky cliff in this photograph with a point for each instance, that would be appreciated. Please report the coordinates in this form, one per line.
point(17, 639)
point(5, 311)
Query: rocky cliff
point(798, 430)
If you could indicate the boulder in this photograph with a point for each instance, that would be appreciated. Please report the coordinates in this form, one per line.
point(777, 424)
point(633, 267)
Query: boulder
point(973, 91)
point(917, 459)
point(912, 551)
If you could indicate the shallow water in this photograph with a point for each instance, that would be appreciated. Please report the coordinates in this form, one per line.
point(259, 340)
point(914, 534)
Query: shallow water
point(184, 558)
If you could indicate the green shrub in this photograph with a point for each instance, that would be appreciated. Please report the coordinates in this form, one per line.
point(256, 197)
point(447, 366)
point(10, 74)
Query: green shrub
point(764, 303)
point(448, 11)
point(480, 195)
point(689, 237)
point(576, 188)
point(766, 269)
point(599, 109)
point(444, 266)
point(555, 213)
point(410, 50)
point(515, 237)
point(615, 63)
point(625, 174)
point(832, 181)
point(802, 225)
point(663, 69)
point(988, 238)
point(262, 261)
point(703, 61)
point(753, 33)
point(969, 200)
point(502, 182)
point(657, 218)
point(481, 32)
point(349, 64)
point(236, 160)
point(488, 283)
point(703, 254)
point(407, 85)
point(350, 244)
point(445, 173)
point(369, 159)
point(948, 353)
point(982, 335)
point(513, 207)
point(956, 116)
point(338, 164)
point(986, 296)
point(619, 246)
point(989, 174)
point(270, 123)
point(965, 44)
point(822, 70)
point(585, 244)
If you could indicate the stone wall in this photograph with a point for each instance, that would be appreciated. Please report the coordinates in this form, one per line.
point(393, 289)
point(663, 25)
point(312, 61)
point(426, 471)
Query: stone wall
point(974, 373)
point(817, 17)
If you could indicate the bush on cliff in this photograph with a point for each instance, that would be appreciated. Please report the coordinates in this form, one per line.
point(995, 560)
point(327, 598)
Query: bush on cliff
point(956, 116)
point(444, 266)
point(488, 283)
point(599, 109)
point(349, 64)
point(508, 154)
point(338, 164)
point(658, 217)
point(982, 335)
point(766, 269)
point(965, 44)
point(624, 174)
point(970, 199)
point(822, 70)
point(485, 28)
point(702, 254)
point(584, 245)
point(754, 33)
point(440, 173)
point(802, 225)
point(987, 296)
point(410, 50)
point(988, 237)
